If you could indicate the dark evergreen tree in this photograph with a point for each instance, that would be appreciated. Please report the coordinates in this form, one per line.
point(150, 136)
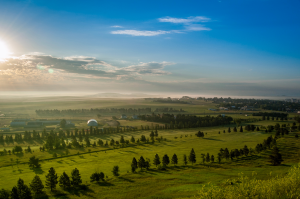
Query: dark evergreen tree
point(275, 158)
point(165, 160)
point(246, 150)
point(134, 165)
point(23, 190)
point(132, 139)
point(115, 171)
point(34, 162)
point(64, 181)
point(174, 159)
point(219, 158)
point(207, 157)
point(212, 159)
point(241, 129)
point(37, 186)
point(229, 130)
point(192, 156)
point(51, 179)
point(4, 194)
point(14, 193)
point(184, 159)
point(156, 160)
point(141, 163)
point(234, 129)
point(75, 178)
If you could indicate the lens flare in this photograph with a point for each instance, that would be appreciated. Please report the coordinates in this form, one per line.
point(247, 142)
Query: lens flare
point(4, 51)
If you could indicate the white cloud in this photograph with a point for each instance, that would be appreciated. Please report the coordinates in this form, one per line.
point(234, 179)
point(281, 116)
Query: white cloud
point(117, 26)
point(196, 27)
point(140, 32)
point(184, 20)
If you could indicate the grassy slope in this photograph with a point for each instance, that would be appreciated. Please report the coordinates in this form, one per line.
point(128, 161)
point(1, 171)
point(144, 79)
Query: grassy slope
point(177, 181)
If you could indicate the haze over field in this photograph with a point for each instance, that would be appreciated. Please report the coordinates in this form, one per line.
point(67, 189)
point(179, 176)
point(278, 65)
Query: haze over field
point(221, 48)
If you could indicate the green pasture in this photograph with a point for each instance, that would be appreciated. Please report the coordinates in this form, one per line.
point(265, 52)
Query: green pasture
point(177, 181)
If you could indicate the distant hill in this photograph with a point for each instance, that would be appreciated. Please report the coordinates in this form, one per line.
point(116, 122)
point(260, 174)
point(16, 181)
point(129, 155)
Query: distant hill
point(120, 95)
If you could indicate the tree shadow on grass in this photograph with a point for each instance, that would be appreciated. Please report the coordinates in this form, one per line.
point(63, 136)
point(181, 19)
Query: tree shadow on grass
point(60, 194)
point(126, 179)
point(105, 183)
point(81, 190)
point(37, 170)
point(213, 139)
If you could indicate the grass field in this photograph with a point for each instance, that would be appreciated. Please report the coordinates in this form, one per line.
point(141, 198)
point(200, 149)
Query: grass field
point(176, 182)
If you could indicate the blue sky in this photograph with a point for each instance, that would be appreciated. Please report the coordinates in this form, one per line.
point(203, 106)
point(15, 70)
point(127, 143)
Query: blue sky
point(189, 47)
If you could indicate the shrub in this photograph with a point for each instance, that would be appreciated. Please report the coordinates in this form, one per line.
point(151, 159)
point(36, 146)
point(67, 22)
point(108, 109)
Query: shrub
point(277, 187)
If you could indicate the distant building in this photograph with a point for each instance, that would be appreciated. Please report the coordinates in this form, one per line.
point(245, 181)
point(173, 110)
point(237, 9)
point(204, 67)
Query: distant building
point(123, 116)
point(5, 129)
point(92, 122)
point(223, 115)
point(135, 117)
point(17, 124)
point(211, 109)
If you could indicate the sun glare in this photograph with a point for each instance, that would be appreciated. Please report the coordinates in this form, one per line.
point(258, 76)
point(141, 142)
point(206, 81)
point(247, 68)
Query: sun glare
point(4, 51)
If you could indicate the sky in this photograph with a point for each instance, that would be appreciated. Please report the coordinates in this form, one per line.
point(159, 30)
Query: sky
point(218, 47)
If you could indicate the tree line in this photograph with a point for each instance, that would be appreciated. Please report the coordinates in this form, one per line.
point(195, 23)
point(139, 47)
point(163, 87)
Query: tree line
point(186, 121)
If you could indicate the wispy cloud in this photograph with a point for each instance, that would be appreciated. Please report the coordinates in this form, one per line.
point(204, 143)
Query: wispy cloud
point(117, 26)
point(184, 20)
point(139, 32)
point(189, 24)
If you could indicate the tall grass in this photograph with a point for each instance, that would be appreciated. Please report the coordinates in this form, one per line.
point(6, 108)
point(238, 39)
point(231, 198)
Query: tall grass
point(244, 187)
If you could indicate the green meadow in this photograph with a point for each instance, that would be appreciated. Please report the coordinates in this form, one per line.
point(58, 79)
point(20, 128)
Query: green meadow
point(177, 181)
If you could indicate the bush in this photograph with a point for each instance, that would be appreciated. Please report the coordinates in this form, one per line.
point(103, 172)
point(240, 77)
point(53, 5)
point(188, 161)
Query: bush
point(284, 187)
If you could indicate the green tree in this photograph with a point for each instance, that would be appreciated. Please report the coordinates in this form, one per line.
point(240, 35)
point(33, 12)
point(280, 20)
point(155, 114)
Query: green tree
point(37, 186)
point(34, 162)
point(134, 165)
point(156, 160)
point(184, 159)
point(207, 157)
point(122, 140)
point(174, 159)
point(246, 150)
point(87, 141)
point(141, 163)
point(64, 181)
point(115, 170)
point(76, 178)
point(165, 160)
point(14, 193)
point(219, 158)
point(23, 190)
point(275, 158)
point(51, 179)
point(4, 194)
point(241, 129)
point(229, 130)
point(192, 156)
point(212, 159)
point(63, 123)
point(132, 139)
point(95, 177)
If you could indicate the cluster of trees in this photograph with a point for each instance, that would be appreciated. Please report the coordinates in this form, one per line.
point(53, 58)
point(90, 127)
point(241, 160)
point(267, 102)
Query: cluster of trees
point(145, 164)
point(168, 100)
point(35, 188)
point(266, 104)
point(93, 111)
point(272, 114)
point(186, 121)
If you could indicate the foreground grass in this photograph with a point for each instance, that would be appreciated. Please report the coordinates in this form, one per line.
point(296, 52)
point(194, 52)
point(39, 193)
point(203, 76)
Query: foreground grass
point(244, 187)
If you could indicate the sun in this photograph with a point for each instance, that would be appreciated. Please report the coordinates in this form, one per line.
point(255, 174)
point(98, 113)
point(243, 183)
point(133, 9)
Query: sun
point(4, 51)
